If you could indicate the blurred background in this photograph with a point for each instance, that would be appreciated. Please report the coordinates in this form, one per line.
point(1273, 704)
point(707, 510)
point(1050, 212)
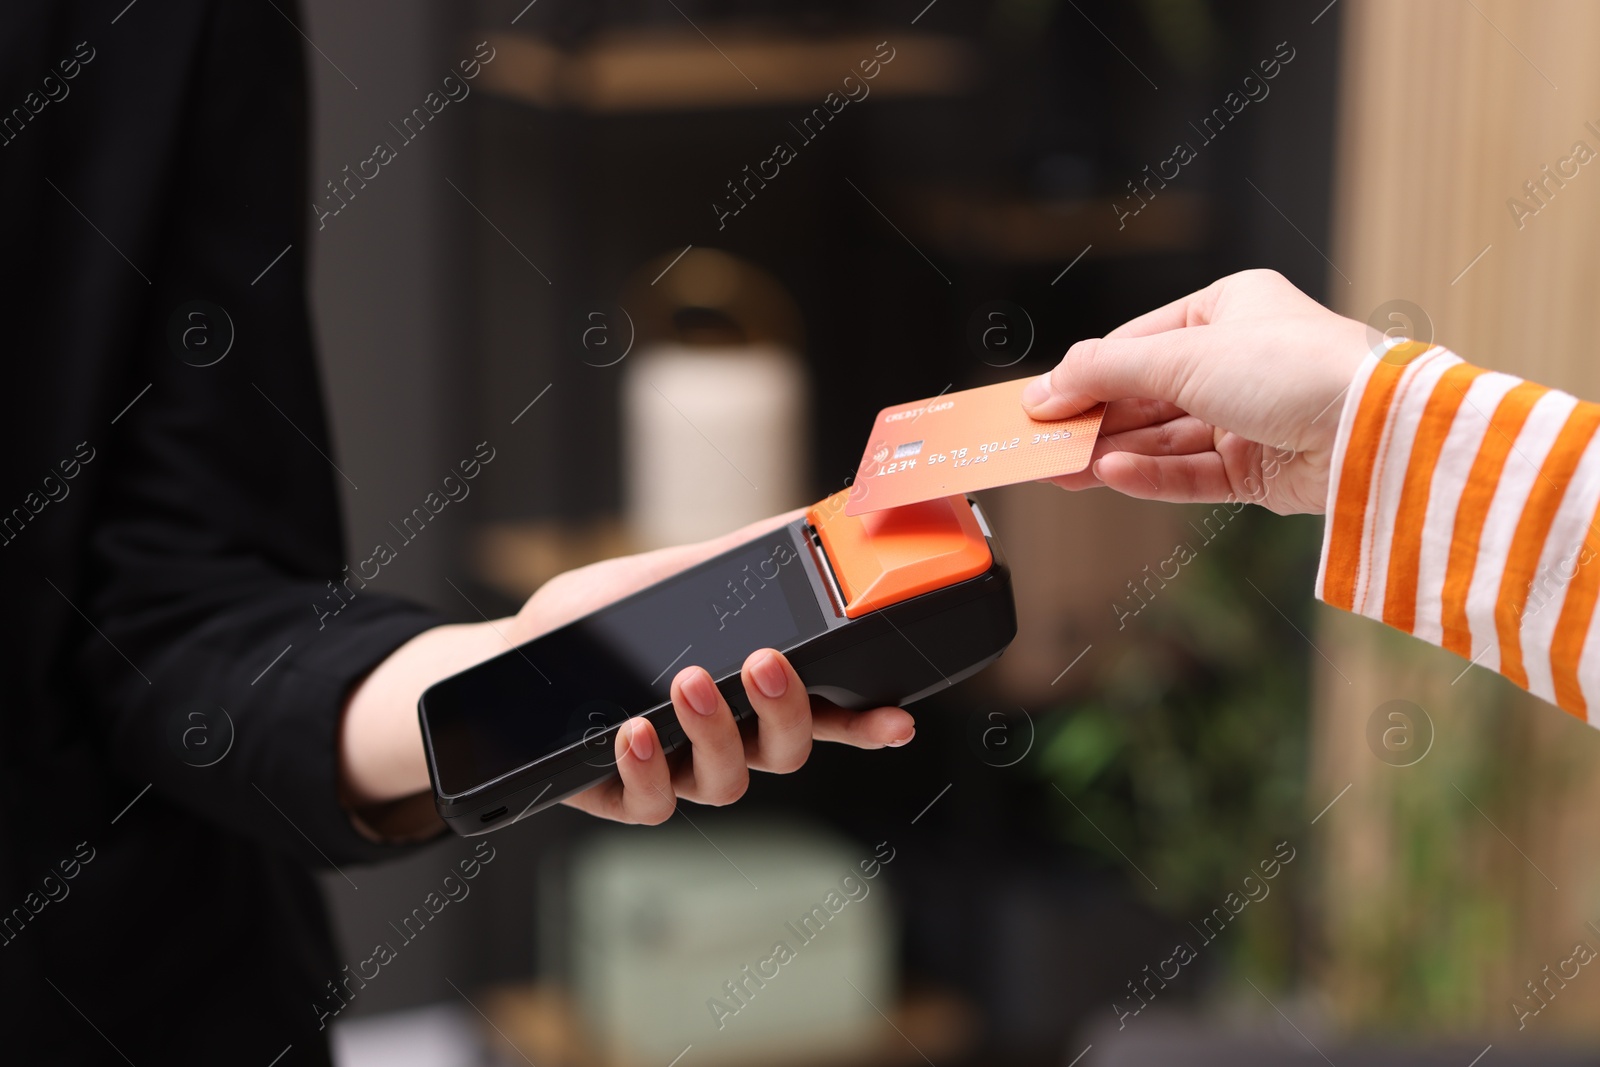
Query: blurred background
point(669, 257)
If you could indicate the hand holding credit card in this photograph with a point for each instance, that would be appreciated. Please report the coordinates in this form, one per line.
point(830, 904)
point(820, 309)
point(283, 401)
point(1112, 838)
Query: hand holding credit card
point(960, 442)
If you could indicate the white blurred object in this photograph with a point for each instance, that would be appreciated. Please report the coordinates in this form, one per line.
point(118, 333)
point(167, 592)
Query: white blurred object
point(665, 923)
point(438, 1035)
point(714, 438)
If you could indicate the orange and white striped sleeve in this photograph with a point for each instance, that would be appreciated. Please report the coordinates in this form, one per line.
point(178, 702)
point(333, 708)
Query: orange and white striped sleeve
point(1462, 509)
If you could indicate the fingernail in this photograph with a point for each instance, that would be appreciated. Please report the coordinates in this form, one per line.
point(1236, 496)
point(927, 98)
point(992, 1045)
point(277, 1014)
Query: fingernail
point(1095, 470)
point(701, 693)
point(640, 742)
point(906, 740)
point(769, 676)
point(1037, 392)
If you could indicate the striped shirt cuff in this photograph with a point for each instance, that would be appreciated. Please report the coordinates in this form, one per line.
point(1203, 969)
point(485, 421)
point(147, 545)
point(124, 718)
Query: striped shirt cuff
point(1462, 508)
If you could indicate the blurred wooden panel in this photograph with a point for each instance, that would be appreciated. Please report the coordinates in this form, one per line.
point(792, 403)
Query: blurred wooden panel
point(540, 1024)
point(516, 558)
point(1444, 119)
point(1018, 230)
point(666, 70)
point(1440, 896)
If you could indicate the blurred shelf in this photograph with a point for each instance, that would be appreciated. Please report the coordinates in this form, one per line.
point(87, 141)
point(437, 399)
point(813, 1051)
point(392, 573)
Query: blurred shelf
point(974, 226)
point(669, 71)
point(516, 558)
point(541, 1023)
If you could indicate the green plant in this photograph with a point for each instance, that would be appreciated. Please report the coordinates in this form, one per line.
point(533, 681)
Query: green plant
point(1188, 751)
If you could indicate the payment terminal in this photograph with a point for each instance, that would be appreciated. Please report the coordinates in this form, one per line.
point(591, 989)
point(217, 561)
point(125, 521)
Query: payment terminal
point(882, 608)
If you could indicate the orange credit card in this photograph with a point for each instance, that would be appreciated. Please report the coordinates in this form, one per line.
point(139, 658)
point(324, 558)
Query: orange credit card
point(958, 442)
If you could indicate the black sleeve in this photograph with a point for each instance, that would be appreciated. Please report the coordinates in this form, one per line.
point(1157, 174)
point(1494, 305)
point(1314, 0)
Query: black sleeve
point(218, 534)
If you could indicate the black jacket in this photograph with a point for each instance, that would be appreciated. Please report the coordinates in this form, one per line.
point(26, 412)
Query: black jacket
point(169, 701)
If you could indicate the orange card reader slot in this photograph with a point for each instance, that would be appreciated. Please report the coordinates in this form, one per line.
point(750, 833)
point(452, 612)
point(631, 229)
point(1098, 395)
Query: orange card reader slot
point(884, 557)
